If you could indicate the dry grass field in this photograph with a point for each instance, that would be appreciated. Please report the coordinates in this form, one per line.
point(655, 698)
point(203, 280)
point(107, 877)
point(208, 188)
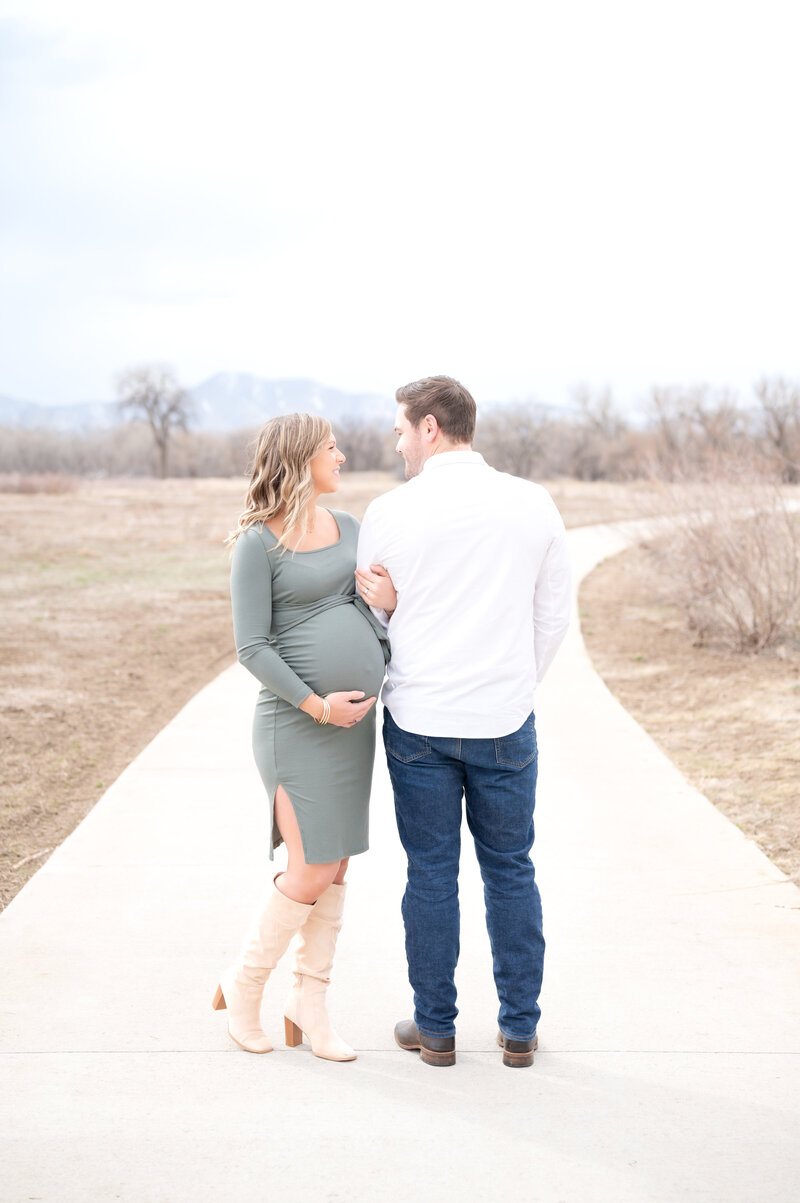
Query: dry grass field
point(730, 722)
point(115, 605)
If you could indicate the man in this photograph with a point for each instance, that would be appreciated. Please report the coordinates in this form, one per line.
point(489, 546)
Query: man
point(479, 562)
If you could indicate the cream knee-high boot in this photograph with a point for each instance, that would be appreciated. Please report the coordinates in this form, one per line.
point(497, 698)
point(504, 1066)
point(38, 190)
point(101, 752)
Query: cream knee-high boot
point(305, 1007)
point(242, 986)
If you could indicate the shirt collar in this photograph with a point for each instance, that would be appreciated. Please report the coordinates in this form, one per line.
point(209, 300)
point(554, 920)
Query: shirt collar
point(452, 457)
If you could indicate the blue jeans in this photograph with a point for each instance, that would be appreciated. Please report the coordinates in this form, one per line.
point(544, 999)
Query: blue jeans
point(497, 777)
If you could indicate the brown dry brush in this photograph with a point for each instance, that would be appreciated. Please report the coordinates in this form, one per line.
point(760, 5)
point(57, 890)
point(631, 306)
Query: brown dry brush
point(127, 450)
point(732, 562)
point(680, 434)
point(37, 482)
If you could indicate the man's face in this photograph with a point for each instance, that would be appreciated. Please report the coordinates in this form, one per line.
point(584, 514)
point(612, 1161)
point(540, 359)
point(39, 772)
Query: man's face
point(409, 443)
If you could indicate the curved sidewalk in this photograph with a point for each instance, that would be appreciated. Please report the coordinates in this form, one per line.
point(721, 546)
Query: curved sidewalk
point(669, 1066)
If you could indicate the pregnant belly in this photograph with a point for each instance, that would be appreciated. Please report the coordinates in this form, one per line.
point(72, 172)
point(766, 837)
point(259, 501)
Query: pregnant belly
point(336, 650)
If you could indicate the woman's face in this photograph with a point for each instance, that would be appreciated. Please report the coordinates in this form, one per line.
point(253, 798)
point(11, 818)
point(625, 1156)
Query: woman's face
point(325, 467)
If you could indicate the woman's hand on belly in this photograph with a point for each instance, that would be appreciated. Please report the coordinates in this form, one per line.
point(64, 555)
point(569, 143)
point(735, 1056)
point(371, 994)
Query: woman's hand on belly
point(348, 707)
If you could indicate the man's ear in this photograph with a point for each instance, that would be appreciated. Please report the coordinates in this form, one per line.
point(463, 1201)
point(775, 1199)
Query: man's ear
point(430, 428)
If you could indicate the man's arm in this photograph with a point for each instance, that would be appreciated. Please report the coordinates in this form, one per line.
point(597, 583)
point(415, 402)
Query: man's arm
point(552, 601)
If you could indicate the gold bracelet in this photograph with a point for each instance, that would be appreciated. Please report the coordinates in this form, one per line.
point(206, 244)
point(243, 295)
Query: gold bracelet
point(326, 713)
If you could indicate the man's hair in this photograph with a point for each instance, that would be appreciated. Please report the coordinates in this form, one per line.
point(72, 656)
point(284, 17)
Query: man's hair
point(447, 400)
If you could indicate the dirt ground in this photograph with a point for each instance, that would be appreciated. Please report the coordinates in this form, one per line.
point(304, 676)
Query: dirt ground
point(731, 723)
point(115, 603)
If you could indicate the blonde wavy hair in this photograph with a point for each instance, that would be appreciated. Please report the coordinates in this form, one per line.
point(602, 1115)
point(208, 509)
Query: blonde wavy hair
point(280, 480)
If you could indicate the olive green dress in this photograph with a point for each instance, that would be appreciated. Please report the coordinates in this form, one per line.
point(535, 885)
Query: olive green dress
point(300, 628)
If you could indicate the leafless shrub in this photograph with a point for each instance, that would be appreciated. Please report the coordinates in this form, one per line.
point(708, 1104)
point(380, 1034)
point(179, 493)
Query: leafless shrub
point(591, 442)
point(734, 562)
point(203, 453)
point(599, 442)
point(367, 444)
point(684, 434)
point(780, 410)
point(37, 482)
point(694, 430)
point(130, 450)
point(516, 438)
point(124, 451)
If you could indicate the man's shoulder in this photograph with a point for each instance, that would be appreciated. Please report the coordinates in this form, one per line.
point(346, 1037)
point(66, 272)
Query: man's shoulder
point(391, 500)
point(528, 489)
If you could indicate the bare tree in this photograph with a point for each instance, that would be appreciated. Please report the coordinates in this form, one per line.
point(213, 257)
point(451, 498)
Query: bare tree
point(363, 441)
point(515, 438)
point(665, 417)
point(719, 421)
point(780, 404)
point(698, 431)
point(600, 436)
point(151, 392)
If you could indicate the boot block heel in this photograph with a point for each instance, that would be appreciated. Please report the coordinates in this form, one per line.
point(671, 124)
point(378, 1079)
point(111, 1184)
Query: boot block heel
point(294, 1035)
point(218, 1003)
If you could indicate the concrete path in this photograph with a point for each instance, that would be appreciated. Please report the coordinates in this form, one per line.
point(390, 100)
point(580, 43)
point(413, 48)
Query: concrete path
point(668, 1068)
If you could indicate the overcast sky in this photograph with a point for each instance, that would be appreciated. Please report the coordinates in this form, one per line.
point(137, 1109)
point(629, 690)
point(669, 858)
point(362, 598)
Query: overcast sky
point(527, 196)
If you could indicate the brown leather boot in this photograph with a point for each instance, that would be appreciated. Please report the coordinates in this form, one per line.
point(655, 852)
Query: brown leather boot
point(433, 1050)
point(517, 1053)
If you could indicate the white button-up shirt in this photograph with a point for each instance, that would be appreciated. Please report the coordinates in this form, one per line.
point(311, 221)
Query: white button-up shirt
point(480, 565)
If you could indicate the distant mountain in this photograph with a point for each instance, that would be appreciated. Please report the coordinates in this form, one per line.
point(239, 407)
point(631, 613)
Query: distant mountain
point(88, 415)
point(226, 401)
point(233, 400)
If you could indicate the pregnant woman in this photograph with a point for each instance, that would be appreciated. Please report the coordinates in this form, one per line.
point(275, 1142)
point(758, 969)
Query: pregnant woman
point(319, 654)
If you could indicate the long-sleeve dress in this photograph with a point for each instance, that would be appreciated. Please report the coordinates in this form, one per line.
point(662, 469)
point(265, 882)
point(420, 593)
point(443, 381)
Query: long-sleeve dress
point(300, 628)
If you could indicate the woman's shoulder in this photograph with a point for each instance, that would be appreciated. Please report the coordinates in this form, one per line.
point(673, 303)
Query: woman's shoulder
point(346, 521)
point(256, 538)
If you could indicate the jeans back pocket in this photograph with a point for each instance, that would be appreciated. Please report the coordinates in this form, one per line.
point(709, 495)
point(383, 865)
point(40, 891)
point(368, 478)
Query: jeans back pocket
point(518, 749)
